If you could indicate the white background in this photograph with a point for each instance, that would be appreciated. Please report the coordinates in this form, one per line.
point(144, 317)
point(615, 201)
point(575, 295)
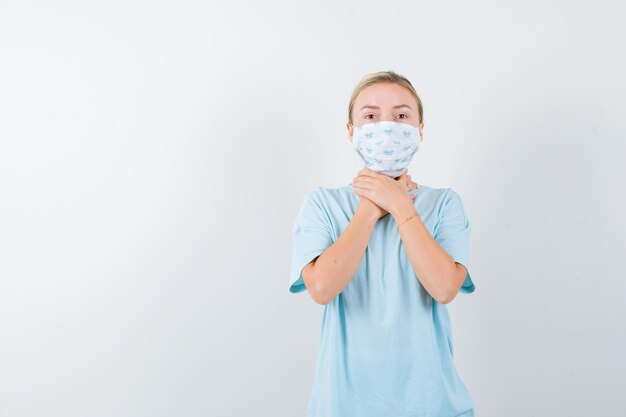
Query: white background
point(153, 156)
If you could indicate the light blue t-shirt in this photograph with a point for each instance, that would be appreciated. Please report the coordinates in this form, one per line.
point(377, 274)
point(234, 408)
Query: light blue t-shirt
point(386, 346)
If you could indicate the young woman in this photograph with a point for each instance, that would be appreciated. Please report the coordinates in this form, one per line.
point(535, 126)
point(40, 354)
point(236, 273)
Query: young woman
point(384, 256)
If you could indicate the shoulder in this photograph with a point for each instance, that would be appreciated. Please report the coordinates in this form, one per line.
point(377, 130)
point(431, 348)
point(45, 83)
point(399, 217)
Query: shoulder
point(335, 191)
point(330, 197)
point(441, 200)
point(451, 205)
point(450, 195)
point(322, 202)
point(437, 195)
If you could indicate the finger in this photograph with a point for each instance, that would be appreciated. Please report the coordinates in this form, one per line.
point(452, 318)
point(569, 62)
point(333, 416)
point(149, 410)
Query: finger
point(361, 183)
point(368, 172)
point(363, 192)
point(363, 177)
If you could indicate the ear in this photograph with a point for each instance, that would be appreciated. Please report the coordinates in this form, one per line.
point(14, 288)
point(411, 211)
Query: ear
point(350, 131)
point(421, 128)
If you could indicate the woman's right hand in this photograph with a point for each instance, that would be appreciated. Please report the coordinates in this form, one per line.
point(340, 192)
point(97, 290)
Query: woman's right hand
point(373, 209)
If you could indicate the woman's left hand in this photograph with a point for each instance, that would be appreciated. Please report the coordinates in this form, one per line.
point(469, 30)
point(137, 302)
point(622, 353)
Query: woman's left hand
point(383, 190)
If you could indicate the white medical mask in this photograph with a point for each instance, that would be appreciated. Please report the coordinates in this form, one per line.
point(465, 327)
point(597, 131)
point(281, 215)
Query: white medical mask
point(386, 147)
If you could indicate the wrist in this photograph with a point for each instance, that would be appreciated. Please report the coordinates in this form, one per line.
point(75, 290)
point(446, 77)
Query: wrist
point(368, 216)
point(402, 210)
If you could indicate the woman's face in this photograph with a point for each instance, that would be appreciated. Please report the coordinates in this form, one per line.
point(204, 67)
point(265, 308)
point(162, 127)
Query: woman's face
point(385, 101)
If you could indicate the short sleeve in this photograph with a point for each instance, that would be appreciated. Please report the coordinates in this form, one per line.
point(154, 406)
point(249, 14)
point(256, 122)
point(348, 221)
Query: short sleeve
point(452, 233)
point(311, 235)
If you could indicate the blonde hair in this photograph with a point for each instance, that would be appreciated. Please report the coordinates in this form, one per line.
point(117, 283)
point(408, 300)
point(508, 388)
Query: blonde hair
point(385, 76)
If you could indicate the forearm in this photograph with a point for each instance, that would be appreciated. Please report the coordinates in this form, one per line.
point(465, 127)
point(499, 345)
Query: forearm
point(433, 267)
point(336, 266)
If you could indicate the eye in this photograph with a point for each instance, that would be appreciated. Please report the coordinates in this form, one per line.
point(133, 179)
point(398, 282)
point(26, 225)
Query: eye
point(367, 115)
point(402, 114)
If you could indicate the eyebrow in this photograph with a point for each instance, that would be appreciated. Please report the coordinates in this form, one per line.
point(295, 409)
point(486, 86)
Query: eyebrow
point(367, 106)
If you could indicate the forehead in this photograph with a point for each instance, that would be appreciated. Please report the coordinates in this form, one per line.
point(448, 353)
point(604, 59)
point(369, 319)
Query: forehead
point(385, 94)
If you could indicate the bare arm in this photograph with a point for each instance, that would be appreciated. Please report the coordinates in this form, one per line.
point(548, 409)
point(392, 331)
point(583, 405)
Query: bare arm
point(328, 274)
point(435, 269)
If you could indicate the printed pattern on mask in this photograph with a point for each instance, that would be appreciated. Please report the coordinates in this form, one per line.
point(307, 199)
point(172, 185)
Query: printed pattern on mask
point(386, 147)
